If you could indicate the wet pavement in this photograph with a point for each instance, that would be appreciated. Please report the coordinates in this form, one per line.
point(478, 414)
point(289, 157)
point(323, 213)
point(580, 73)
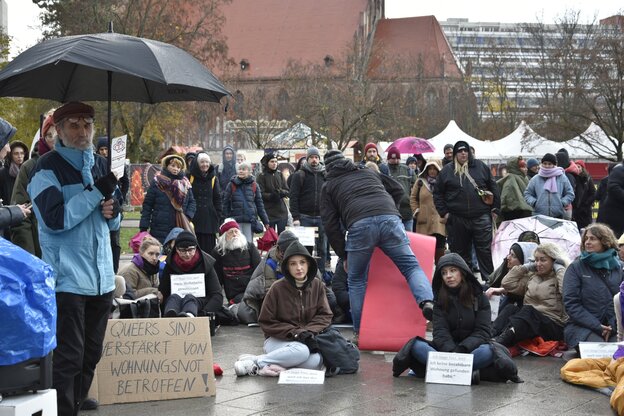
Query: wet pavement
point(372, 391)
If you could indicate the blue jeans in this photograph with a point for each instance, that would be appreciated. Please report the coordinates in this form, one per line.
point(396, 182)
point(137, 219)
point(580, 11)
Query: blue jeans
point(321, 241)
point(409, 225)
point(289, 354)
point(482, 354)
point(386, 232)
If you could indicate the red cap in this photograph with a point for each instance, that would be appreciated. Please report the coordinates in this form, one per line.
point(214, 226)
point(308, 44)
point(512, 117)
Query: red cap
point(370, 146)
point(228, 225)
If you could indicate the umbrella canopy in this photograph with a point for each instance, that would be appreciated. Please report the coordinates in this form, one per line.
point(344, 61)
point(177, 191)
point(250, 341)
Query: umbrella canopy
point(561, 232)
point(77, 68)
point(413, 145)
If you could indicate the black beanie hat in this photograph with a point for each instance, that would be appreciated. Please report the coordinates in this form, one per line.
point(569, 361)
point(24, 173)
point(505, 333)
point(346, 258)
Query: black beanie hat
point(459, 146)
point(563, 159)
point(185, 239)
point(331, 157)
point(285, 239)
point(549, 157)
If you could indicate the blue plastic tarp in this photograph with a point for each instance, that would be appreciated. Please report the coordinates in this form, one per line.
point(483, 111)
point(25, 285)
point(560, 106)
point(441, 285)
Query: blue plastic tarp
point(27, 305)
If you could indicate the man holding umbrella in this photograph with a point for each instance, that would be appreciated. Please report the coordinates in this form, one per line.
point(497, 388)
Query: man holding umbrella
point(71, 194)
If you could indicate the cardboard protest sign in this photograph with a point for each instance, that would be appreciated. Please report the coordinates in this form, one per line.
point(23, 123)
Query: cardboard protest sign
point(449, 368)
point(389, 300)
point(155, 359)
point(188, 284)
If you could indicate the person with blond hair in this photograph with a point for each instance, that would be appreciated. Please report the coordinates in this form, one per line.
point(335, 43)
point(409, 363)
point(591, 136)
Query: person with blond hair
point(590, 283)
point(141, 274)
point(541, 283)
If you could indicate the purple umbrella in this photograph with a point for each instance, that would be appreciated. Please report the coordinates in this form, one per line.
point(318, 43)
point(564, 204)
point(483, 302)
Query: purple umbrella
point(413, 145)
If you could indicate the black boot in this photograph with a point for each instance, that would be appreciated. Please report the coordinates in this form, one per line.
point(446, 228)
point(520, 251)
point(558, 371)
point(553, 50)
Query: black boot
point(476, 377)
point(507, 337)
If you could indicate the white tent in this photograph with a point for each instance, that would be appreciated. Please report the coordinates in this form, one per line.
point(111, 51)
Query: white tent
point(451, 134)
point(298, 133)
point(518, 142)
point(600, 141)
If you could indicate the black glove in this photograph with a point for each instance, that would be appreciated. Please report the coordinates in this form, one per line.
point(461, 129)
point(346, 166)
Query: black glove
point(283, 193)
point(116, 208)
point(107, 184)
point(460, 349)
point(307, 338)
point(142, 229)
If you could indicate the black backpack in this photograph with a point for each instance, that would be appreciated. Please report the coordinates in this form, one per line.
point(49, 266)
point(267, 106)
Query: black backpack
point(339, 355)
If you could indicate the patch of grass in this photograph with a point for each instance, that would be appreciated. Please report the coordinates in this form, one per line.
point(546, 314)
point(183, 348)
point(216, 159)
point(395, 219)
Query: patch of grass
point(132, 215)
point(125, 234)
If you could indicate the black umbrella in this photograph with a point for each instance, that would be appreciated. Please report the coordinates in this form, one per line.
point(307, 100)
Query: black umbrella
point(109, 66)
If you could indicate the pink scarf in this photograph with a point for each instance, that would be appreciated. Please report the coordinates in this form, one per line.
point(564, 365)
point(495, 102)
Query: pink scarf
point(551, 175)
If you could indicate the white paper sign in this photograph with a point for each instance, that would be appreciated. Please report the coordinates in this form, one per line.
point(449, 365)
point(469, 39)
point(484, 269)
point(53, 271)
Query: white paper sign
point(304, 234)
point(449, 368)
point(597, 349)
point(118, 155)
point(188, 284)
point(494, 305)
point(301, 376)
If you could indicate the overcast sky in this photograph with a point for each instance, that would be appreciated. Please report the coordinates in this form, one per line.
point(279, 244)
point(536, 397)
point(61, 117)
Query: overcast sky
point(25, 30)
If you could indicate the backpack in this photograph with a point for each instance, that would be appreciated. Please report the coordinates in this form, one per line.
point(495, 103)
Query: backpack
point(254, 186)
point(339, 355)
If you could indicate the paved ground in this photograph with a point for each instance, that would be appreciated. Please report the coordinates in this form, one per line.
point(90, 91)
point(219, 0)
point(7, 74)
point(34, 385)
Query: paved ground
point(372, 391)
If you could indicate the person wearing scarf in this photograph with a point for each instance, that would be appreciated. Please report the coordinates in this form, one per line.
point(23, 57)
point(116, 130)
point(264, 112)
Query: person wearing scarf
point(207, 194)
point(187, 258)
point(549, 192)
point(141, 274)
point(169, 193)
point(226, 170)
point(425, 214)
point(589, 285)
point(16, 157)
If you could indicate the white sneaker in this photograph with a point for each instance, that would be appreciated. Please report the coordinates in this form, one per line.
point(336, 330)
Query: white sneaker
point(251, 357)
point(245, 368)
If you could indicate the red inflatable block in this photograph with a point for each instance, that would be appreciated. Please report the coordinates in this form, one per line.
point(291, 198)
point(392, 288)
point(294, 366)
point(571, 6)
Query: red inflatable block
point(391, 316)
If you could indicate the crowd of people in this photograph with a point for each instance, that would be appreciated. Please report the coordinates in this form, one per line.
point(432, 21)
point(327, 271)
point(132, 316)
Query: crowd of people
point(201, 218)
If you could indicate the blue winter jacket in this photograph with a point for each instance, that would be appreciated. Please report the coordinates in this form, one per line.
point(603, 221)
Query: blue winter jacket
point(233, 206)
point(546, 203)
point(73, 233)
point(158, 214)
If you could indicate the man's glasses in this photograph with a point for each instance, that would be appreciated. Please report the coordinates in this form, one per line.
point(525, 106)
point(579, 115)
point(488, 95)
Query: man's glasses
point(187, 250)
point(87, 120)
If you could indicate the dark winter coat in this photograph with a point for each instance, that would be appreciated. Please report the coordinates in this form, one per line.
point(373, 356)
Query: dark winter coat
point(158, 215)
point(225, 171)
point(274, 190)
point(213, 300)
point(588, 300)
point(233, 205)
point(207, 194)
point(352, 193)
point(305, 192)
point(611, 212)
point(401, 174)
point(287, 310)
point(234, 270)
point(460, 328)
point(455, 195)
point(583, 212)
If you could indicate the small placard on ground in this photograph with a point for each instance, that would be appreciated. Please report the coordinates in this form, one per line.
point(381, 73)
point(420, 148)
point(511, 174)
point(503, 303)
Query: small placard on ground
point(597, 349)
point(449, 368)
point(301, 376)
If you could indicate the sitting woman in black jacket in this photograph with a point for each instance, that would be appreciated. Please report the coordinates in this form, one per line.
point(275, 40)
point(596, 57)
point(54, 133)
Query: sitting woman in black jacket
point(461, 315)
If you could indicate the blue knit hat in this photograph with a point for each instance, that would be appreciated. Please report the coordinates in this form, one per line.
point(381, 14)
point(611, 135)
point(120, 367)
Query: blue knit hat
point(6, 132)
point(532, 162)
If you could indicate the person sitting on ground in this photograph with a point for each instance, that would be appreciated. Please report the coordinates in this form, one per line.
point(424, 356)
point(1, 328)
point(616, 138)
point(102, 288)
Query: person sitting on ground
point(187, 258)
point(461, 316)
point(549, 192)
point(541, 283)
point(141, 274)
point(294, 310)
point(519, 253)
point(268, 271)
point(590, 283)
point(236, 260)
